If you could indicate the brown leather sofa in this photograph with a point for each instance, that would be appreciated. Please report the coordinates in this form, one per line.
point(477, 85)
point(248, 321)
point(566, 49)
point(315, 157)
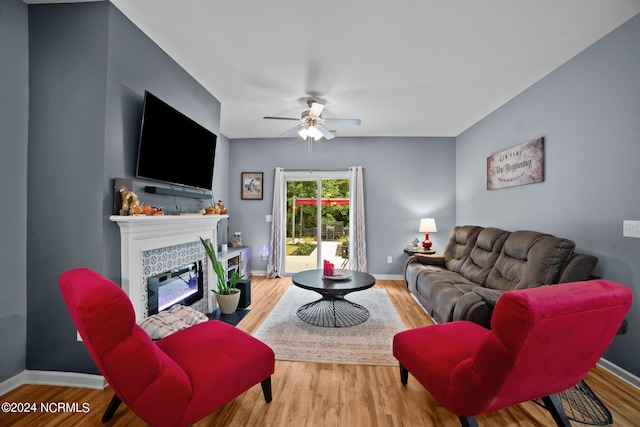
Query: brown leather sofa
point(479, 264)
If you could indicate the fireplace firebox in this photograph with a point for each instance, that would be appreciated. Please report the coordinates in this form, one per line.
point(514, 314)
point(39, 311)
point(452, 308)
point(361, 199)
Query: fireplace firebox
point(183, 285)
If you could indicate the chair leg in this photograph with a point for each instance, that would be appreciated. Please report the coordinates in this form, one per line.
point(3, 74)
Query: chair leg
point(468, 421)
point(553, 405)
point(111, 409)
point(266, 389)
point(404, 375)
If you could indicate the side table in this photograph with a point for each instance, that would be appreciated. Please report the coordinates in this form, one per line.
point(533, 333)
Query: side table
point(412, 251)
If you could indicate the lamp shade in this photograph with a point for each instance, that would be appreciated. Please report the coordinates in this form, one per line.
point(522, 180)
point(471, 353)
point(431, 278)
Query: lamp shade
point(427, 225)
point(304, 132)
point(315, 133)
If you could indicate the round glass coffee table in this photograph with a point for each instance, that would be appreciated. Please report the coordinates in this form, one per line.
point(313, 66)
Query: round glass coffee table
point(333, 310)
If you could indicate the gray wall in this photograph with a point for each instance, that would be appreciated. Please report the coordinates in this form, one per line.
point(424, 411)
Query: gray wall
point(135, 64)
point(66, 136)
point(404, 179)
point(90, 67)
point(589, 112)
point(14, 119)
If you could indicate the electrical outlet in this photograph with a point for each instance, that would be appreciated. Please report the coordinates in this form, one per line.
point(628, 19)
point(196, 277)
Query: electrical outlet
point(389, 259)
point(269, 218)
point(631, 228)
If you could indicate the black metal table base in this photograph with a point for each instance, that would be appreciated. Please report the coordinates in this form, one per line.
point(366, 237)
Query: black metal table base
point(581, 404)
point(333, 313)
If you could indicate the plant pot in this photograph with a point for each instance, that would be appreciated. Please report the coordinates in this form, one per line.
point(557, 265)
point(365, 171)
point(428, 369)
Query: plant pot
point(228, 303)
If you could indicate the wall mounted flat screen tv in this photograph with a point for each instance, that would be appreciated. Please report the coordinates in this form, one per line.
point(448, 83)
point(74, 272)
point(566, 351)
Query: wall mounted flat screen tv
point(173, 148)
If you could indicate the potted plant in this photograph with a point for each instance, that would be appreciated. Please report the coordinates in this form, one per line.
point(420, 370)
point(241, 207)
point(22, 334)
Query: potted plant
point(227, 295)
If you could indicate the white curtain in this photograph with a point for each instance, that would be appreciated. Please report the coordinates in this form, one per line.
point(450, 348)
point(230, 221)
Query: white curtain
point(275, 264)
point(358, 245)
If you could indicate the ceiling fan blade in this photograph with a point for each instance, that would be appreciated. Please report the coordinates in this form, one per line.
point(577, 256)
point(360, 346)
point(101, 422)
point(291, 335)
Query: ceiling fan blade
point(293, 131)
point(279, 118)
point(355, 122)
point(325, 132)
point(316, 110)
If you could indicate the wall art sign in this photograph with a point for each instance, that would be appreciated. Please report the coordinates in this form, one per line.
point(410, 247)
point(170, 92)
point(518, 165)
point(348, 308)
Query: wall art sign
point(519, 165)
point(252, 185)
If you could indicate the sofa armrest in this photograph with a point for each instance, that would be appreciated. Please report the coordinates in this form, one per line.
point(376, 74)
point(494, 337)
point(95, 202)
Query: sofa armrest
point(477, 306)
point(577, 268)
point(435, 259)
point(489, 296)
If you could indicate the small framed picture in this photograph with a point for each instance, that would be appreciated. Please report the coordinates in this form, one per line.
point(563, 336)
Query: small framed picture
point(252, 185)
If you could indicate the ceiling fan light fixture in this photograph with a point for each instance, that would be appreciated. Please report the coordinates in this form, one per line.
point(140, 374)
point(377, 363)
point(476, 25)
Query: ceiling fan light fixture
point(310, 132)
point(314, 133)
point(315, 109)
point(304, 133)
point(311, 125)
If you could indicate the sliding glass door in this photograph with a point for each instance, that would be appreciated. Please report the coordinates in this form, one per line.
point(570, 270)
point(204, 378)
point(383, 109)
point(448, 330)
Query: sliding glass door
point(317, 220)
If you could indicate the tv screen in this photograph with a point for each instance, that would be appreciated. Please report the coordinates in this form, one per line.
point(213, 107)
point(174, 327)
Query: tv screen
point(173, 148)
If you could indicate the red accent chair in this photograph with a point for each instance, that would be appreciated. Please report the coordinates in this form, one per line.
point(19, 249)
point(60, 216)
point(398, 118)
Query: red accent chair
point(171, 382)
point(542, 341)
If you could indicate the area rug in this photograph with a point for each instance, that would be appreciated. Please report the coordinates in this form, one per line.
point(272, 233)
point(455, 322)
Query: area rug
point(369, 343)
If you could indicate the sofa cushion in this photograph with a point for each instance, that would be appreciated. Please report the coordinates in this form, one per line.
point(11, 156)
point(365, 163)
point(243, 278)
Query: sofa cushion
point(484, 254)
point(529, 259)
point(443, 289)
point(461, 242)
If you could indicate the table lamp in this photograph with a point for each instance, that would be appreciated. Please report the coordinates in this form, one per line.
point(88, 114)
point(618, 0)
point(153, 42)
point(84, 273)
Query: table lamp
point(427, 225)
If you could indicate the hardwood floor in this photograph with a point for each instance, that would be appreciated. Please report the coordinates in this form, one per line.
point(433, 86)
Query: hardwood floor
point(318, 394)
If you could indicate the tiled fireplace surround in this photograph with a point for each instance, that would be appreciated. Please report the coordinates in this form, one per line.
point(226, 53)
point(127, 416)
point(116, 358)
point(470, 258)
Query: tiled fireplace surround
point(150, 245)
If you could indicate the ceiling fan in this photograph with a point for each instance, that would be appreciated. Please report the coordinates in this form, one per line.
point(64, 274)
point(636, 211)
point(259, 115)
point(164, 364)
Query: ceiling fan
point(312, 126)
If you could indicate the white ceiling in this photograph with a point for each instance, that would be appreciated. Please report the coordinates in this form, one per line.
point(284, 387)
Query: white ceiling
point(405, 67)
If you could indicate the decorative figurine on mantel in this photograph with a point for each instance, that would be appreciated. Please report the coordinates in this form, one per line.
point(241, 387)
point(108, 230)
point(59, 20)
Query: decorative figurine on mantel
point(130, 203)
point(220, 207)
point(217, 209)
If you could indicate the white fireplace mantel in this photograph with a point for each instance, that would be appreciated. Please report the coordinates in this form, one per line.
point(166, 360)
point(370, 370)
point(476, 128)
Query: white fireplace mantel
point(143, 233)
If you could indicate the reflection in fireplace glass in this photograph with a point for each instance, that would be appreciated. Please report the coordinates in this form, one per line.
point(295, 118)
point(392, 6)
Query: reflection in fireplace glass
point(182, 285)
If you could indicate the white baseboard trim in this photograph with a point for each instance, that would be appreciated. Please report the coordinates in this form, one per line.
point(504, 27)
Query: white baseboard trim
point(66, 379)
point(389, 276)
point(616, 370)
point(53, 378)
point(12, 383)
